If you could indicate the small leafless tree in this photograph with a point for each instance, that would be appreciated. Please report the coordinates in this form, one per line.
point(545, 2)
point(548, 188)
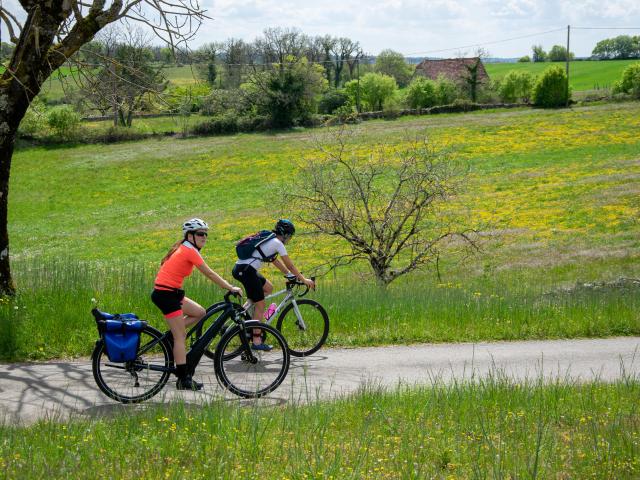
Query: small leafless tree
point(387, 204)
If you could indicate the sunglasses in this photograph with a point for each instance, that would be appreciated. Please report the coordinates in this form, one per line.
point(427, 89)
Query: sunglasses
point(201, 234)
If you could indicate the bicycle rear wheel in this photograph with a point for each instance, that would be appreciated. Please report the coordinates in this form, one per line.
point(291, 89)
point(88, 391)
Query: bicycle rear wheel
point(250, 373)
point(135, 381)
point(306, 329)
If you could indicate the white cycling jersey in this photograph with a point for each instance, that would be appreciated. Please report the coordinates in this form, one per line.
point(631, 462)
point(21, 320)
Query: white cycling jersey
point(270, 247)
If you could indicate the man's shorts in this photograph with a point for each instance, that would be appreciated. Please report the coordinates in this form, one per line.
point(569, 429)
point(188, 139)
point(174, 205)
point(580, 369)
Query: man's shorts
point(168, 301)
point(251, 280)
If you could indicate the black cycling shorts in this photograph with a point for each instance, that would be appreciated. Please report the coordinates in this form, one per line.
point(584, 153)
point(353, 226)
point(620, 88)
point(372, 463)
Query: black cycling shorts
point(168, 301)
point(251, 280)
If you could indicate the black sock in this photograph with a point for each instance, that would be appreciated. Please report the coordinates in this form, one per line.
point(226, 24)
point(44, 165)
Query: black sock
point(181, 370)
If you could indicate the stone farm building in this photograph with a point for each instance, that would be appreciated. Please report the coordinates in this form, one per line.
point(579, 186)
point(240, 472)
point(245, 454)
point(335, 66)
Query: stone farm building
point(453, 68)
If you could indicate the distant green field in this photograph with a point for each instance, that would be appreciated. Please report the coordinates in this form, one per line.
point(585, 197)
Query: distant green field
point(587, 75)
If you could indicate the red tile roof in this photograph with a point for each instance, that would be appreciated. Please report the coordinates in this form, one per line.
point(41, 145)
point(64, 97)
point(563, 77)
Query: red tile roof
point(453, 68)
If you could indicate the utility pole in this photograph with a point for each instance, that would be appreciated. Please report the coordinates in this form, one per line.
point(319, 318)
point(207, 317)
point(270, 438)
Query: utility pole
point(358, 89)
point(567, 60)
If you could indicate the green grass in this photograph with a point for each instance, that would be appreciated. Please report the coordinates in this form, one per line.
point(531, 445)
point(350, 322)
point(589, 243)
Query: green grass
point(50, 316)
point(556, 194)
point(495, 428)
point(584, 75)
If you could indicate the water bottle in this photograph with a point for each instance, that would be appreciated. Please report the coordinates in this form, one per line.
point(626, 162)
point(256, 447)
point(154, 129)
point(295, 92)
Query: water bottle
point(270, 311)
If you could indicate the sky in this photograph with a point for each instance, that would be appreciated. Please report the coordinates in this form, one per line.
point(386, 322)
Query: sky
point(435, 28)
point(415, 27)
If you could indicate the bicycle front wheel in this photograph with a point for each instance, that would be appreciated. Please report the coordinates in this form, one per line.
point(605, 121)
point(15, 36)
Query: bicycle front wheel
point(305, 325)
point(251, 373)
point(135, 381)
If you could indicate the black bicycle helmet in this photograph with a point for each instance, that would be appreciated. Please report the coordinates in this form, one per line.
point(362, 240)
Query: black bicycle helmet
point(284, 227)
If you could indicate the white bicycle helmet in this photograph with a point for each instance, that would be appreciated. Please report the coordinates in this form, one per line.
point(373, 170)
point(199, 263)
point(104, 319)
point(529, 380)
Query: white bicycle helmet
point(193, 225)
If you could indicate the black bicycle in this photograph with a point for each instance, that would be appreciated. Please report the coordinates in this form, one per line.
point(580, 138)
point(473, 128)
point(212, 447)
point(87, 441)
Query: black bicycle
point(238, 368)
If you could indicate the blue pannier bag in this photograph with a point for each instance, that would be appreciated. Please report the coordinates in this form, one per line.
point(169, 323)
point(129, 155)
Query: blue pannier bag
point(122, 336)
point(246, 246)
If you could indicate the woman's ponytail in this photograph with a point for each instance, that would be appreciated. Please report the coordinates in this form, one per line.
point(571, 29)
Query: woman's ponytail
point(172, 250)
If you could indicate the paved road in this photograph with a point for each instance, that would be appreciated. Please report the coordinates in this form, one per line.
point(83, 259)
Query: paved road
point(57, 389)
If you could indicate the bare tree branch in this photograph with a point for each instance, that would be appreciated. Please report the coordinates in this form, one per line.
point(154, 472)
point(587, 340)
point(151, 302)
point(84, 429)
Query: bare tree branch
point(385, 207)
point(7, 17)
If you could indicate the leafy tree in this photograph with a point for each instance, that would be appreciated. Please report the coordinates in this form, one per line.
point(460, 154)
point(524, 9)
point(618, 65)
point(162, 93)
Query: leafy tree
point(551, 90)
point(375, 88)
point(619, 48)
point(64, 121)
point(630, 81)
point(524, 59)
point(446, 90)
point(539, 55)
point(421, 93)
point(52, 32)
point(218, 102)
point(516, 86)
point(558, 53)
point(333, 100)
point(604, 49)
point(287, 93)
point(394, 65)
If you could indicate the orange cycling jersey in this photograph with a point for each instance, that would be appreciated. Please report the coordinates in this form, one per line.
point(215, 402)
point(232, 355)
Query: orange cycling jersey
point(179, 266)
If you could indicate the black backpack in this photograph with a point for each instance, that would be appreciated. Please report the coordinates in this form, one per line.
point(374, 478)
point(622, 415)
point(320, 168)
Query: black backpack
point(246, 246)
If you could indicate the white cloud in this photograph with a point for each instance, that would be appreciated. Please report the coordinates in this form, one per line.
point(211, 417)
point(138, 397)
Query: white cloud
point(420, 26)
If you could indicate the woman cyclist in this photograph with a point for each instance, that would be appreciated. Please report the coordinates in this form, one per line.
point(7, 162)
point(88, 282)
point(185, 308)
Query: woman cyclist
point(247, 272)
point(180, 311)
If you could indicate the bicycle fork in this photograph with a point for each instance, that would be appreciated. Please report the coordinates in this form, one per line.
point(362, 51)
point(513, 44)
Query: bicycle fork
point(299, 320)
point(245, 335)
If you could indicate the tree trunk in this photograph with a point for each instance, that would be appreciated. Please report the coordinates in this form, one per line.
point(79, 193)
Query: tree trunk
point(19, 84)
point(6, 151)
point(14, 103)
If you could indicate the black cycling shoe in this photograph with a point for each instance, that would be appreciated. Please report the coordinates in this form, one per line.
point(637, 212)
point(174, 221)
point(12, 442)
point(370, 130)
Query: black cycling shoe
point(188, 383)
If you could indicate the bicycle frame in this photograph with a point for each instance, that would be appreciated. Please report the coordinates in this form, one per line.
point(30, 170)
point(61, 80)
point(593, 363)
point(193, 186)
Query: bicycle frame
point(195, 353)
point(289, 298)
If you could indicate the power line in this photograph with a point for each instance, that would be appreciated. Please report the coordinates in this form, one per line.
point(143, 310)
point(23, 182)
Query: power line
point(606, 28)
point(487, 43)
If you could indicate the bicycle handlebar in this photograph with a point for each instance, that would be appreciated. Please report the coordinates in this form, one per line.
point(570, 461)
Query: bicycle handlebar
point(293, 281)
point(229, 294)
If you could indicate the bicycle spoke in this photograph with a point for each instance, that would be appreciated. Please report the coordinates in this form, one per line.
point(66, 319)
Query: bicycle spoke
point(305, 325)
point(255, 373)
point(138, 380)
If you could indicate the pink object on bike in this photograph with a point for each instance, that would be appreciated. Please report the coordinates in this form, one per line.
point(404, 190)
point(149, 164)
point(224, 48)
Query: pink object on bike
point(270, 311)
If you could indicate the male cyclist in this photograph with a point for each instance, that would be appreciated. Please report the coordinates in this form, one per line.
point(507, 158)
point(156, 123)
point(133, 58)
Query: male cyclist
point(256, 286)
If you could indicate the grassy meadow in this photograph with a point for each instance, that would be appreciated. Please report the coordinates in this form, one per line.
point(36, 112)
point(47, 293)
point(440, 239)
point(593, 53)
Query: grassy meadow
point(494, 428)
point(555, 194)
point(583, 75)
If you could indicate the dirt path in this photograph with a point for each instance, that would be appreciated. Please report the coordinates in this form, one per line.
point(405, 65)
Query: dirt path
point(59, 389)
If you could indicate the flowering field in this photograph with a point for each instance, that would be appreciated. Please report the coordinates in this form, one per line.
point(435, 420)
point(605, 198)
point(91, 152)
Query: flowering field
point(555, 193)
point(491, 429)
